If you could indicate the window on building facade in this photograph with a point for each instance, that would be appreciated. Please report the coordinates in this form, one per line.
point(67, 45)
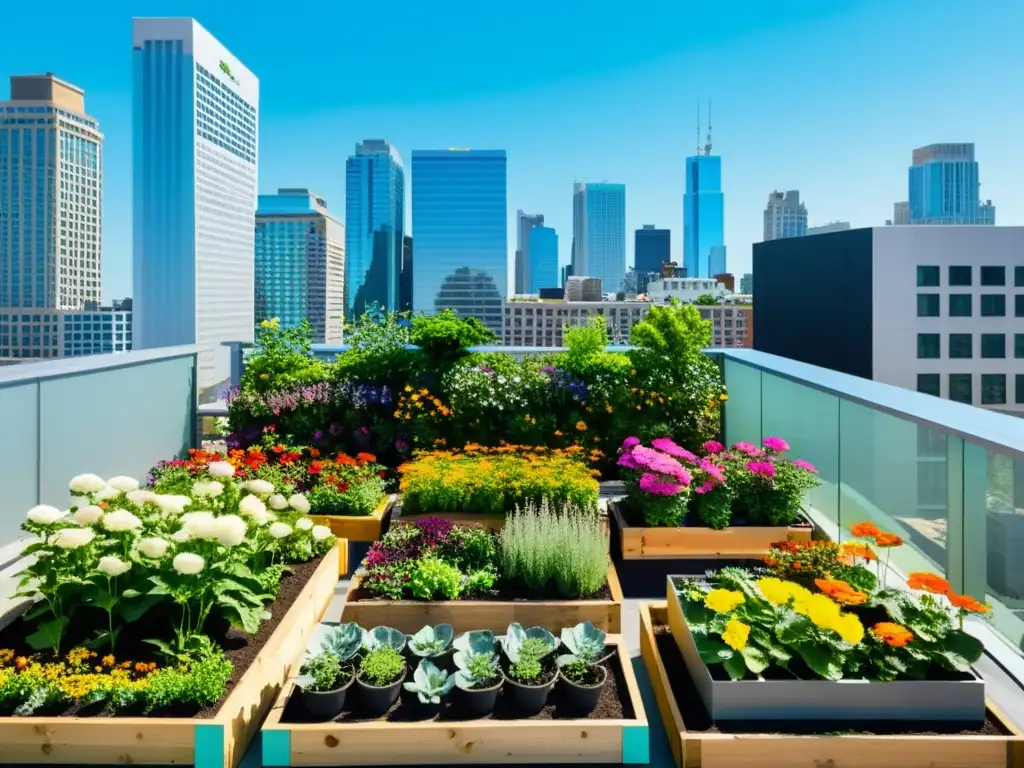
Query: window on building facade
point(1018, 277)
point(1018, 305)
point(993, 345)
point(927, 277)
point(927, 305)
point(929, 384)
point(993, 305)
point(960, 305)
point(1020, 389)
point(959, 275)
point(961, 345)
point(928, 346)
point(993, 389)
point(993, 275)
point(960, 388)
point(1018, 345)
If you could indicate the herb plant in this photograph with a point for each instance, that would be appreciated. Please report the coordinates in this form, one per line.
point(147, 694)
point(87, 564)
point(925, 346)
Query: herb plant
point(382, 667)
point(526, 649)
point(475, 660)
point(586, 646)
point(322, 672)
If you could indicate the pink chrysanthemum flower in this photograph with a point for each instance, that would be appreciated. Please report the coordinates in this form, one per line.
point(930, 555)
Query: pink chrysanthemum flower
point(776, 444)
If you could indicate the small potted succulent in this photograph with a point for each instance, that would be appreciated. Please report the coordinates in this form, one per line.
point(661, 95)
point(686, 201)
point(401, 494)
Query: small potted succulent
point(478, 675)
point(325, 677)
point(530, 673)
point(381, 670)
point(581, 670)
point(434, 643)
point(430, 684)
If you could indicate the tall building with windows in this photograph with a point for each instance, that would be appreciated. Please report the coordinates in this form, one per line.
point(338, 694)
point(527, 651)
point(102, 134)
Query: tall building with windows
point(704, 216)
point(300, 263)
point(405, 280)
point(51, 197)
point(652, 247)
point(944, 187)
point(524, 223)
point(599, 232)
point(460, 223)
point(784, 216)
point(542, 248)
point(374, 227)
point(194, 156)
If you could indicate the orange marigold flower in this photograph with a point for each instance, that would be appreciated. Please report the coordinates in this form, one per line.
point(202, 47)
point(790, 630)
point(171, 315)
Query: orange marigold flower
point(21, 663)
point(366, 458)
point(865, 530)
point(967, 603)
point(892, 634)
point(856, 549)
point(841, 592)
point(887, 540)
point(108, 660)
point(928, 582)
point(581, 426)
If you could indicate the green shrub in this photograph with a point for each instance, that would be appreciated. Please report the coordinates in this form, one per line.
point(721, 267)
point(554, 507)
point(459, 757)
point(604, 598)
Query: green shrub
point(382, 667)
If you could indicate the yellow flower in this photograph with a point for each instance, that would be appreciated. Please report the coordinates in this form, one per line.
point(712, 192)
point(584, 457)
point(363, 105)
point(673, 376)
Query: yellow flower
point(723, 397)
point(581, 427)
point(778, 591)
point(848, 627)
point(722, 600)
point(821, 610)
point(736, 634)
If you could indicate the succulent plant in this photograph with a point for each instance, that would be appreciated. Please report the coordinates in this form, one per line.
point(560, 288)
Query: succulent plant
point(431, 641)
point(383, 637)
point(586, 644)
point(344, 641)
point(430, 683)
point(515, 637)
point(475, 660)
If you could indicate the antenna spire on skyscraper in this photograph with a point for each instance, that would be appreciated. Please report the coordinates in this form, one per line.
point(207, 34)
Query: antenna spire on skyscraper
point(698, 126)
point(707, 146)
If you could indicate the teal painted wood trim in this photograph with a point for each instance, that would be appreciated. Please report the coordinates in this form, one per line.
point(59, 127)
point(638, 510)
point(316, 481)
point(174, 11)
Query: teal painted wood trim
point(636, 745)
point(277, 749)
point(209, 749)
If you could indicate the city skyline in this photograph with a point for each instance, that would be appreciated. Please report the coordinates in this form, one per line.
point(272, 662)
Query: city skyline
point(305, 134)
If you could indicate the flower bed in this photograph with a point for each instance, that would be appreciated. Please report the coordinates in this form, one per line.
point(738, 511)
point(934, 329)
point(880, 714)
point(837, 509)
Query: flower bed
point(141, 612)
point(526, 696)
point(723, 503)
point(697, 741)
point(494, 481)
point(545, 567)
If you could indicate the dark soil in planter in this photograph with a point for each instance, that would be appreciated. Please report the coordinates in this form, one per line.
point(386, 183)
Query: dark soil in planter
point(698, 720)
point(506, 591)
point(634, 518)
point(614, 704)
point(240, 649)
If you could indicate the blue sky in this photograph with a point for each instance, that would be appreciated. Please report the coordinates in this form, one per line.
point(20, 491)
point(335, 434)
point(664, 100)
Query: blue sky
point(825, 97)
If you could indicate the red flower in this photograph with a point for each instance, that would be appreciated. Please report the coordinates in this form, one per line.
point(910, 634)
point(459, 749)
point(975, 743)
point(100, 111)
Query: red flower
point(316, 467)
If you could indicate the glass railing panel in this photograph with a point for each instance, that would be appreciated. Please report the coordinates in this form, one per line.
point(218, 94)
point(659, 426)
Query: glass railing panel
point(743, 410)
point(907, 480)
point(994, 553)
point(19, 455)
point(808, 419)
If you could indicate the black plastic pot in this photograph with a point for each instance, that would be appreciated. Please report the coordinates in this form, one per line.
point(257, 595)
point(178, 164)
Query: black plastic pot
point(375, 700)
point(528, 700)
point(326, 705)
point(478, 702)
point(582, 699)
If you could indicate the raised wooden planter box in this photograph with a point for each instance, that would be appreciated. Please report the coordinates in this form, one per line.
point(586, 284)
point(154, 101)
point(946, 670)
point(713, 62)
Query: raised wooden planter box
point(219, 742)
point(692, 749)
point(495, 615)
point(491, 522)
point(697, 542)
point(543, 742)
point(359, 527)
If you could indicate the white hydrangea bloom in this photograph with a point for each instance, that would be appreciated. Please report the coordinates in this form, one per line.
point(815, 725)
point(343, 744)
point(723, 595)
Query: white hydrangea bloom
point(200, 525)
point(43, 514)
point(278, 502)
point(259, 487)
point(231, 530)
point(220, 469)
point(299, 503)
point(121, 520)
point(88, 515)
point(83, 484)
point(280, 530)
point(188, 564)
point(321, 532)
point(172, 504)
point(73, 538)
point(252, 506)
point(303, 523)
point(141, 497)
point(154, 547)
point(112, 566)
point(123, 483)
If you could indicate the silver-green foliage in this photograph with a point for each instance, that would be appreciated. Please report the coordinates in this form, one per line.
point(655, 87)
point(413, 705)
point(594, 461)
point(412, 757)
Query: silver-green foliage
point(431, 641)
point(475, 660)
point(344, 641)
point(565, 547)
point(430, 683)
point(383, 637)
point(585, 643)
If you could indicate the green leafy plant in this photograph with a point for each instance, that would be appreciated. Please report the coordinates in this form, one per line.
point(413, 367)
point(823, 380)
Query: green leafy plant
point(383, 637)
point(586, 646)
point(429, 683)
point(433, 641)
point(432, 577)
point(382, 666)
point(444, 337)
point(526, 649)
point(475, 660)
point(320, 673)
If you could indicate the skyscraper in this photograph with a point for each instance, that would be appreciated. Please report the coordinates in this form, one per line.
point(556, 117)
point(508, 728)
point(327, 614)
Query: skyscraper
point(599, 232)
point(194, 157)
point(543, 265)
point(704, 214)
point(784, 216)
point(405, 279)
point(51, 186)
point(460, 225)
point(651, 248)
point(944, 188)
point(901, 213)
point(524, 223)
point(300, 263)
point(374, 226)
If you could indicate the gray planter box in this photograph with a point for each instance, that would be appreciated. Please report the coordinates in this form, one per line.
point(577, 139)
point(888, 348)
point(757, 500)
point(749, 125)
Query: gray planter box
point(825, 700)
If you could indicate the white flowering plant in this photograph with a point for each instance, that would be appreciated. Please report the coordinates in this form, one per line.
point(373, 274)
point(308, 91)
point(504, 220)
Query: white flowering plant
point(126, 550)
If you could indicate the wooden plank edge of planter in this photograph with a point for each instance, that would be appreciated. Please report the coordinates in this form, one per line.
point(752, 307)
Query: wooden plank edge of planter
point(622, 741)
point(219, 742)
point(719, 750)
point(677, 543)
point(490, 522)
point(364, 528)
point(495, 615)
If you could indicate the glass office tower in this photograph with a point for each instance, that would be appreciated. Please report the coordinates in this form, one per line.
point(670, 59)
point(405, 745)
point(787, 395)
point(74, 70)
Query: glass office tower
point(599, 229)
point(194, 158)
point(944, 187)
point(703, 216)
point(651, 248)
point(300, 264)
point(524, 223)
point(374, 227)
point(460, 223)
point(543, 252)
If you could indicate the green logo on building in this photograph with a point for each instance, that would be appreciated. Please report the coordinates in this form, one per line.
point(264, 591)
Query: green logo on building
point(227, 71)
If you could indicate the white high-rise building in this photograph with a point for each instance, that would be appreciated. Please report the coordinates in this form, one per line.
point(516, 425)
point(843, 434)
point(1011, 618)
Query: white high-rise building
point(195, 151)
point(784, 216)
